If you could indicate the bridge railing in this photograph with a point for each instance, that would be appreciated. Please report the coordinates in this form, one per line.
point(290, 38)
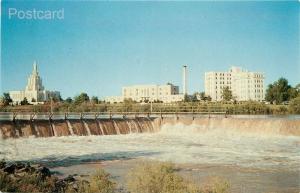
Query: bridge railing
point(94, 115)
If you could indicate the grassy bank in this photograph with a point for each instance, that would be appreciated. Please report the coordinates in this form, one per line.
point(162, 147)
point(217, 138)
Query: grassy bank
point(146, 177)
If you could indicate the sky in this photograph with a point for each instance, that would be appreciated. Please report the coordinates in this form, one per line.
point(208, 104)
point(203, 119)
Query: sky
point(101, 46)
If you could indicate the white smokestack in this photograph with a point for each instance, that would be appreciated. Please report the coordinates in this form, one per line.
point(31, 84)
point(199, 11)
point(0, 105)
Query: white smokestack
point(184, 79)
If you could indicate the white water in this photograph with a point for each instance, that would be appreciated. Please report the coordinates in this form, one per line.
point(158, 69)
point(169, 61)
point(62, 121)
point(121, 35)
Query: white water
point(178, 143)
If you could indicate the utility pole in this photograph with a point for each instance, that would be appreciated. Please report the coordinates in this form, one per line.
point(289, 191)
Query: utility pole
point(184, 80)
point(51, 105)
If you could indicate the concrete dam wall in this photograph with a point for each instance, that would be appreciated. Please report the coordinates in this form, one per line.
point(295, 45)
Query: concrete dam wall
point(85, 127)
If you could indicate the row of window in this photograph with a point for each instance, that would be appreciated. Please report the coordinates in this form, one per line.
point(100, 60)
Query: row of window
point(222, 74)
point(153, 94)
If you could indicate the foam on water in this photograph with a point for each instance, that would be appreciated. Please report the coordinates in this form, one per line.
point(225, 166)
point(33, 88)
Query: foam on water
point(177, 143)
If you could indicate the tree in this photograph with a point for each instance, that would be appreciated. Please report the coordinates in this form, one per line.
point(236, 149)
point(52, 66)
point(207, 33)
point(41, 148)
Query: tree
point(297, 87)
point(202, 96)
point(6, 99)
point(69, 100)
point(293, 93)
point(24, 101)
point(226, 94)
point(128, 101)
point(186, 98)
point(208, 98)
point(79, 99)
point(280, 91)
point(56, 98)
point(190, 98)
point(95, 100)
point(128, 104)
point(294, 106)
point(33, 100)
point(194, 97)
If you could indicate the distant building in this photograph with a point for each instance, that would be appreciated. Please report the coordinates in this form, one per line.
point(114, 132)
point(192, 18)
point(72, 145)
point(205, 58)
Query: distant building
point(243, 84)
point(166, 93)
point(34, 92)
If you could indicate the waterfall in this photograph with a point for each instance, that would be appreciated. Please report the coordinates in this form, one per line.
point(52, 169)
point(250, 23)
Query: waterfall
point(101, 128)
point(17, 132)
point(136, 126)
point(70, 127)
point(116, 127)
point(54, 130)
point(87, 128)
point(37, 133)
point(152, 124)
point(129, 126)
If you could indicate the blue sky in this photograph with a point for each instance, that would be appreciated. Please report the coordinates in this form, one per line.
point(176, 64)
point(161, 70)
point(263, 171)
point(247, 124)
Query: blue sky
point(101, 46)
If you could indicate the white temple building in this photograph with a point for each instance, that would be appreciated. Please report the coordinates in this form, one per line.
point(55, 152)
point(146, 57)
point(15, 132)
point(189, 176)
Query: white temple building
point(34, 92)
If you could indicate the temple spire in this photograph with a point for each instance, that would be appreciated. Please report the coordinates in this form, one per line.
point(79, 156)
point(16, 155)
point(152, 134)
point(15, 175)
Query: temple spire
point(35, 71)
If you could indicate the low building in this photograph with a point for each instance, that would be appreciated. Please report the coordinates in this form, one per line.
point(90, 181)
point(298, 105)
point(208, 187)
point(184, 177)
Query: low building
point(244, 85)
point(34, 92)
point(142, 93)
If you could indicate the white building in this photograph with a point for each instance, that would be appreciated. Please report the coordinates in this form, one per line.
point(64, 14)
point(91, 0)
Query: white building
point(243, 84)
point(34, 92)
point(166, 93)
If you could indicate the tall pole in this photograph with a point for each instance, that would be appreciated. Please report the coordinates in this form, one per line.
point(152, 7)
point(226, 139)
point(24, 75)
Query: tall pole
point(51, 104)
point(184, 80)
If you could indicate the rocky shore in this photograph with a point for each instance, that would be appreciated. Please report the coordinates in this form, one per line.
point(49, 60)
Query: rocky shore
point(23, 177)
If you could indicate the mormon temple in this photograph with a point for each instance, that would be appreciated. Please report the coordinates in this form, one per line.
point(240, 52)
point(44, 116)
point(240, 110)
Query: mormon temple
point(34, 92)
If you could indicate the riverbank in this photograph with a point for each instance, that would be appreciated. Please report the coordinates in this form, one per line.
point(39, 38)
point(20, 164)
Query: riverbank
point(147, 177)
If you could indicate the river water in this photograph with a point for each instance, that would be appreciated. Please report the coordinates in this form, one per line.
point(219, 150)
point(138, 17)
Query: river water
point(272, 158)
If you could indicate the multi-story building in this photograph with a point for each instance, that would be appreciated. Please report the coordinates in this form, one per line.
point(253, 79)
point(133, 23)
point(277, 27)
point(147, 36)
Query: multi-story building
point(166, 93)
point(244, 85)
point(34, 92)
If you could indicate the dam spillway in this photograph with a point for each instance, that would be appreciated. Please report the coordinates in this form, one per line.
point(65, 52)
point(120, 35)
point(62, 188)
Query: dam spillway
point(75, 127)
point(120, 126)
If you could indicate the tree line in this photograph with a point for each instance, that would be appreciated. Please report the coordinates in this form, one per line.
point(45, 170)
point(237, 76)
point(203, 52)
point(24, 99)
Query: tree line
point(279, 92)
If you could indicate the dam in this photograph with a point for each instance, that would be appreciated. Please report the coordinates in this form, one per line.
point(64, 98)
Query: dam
point(43, 126)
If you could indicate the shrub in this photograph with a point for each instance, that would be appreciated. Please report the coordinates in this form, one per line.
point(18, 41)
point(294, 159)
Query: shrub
point(161, 177)
point(27, 183)
point(6, 183)
point(101, 182)
point(216, 185)
point(149, 177)
point(294, 106)
point(279, 109)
